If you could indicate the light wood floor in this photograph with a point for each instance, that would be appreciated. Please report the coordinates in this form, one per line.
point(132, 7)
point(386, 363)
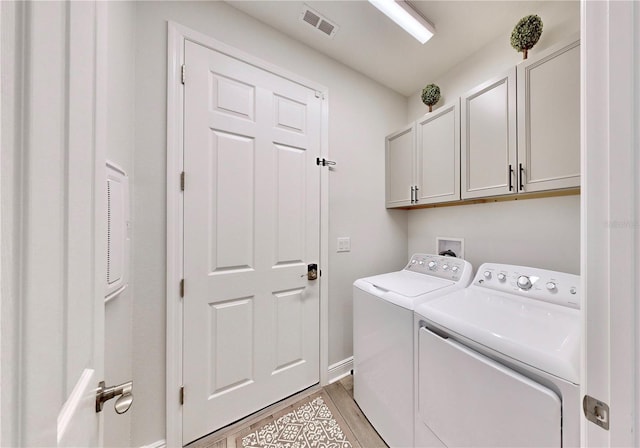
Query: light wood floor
point(339, 398)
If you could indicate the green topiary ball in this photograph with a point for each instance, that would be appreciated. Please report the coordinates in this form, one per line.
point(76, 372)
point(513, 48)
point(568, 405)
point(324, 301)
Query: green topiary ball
point(526, 34)
point(430, 95)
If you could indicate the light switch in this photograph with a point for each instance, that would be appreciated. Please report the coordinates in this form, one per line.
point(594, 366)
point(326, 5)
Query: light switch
point(344, 244)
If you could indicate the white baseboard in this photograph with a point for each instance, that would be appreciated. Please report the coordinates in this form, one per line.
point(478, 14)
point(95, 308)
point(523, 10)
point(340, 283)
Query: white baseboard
point(340, 369)
point(158, 444)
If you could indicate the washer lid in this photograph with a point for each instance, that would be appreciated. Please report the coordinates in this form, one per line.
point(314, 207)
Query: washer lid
point(543, 335)
point(406, 283)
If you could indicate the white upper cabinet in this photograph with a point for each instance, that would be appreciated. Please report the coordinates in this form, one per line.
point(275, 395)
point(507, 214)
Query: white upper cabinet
point(488, 138)
point(438, 156)
point(517, 133)
point(400, 163)
point(549, 120)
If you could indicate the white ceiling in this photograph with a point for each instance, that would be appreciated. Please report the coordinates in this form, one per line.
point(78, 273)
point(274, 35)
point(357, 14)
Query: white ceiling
point(372, 44)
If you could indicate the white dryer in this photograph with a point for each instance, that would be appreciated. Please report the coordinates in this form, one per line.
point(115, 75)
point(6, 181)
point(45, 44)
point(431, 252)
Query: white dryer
point(498, 364)
point(383, 339)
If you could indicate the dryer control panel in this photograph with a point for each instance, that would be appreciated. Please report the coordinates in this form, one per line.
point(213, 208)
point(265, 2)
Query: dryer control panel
point(449, 268)
point(555, 287)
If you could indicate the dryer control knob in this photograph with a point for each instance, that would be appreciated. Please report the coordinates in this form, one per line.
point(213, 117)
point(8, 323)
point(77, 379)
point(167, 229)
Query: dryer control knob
point(501, 277)
point(487, 274)
point(432, 265)
point(524, 282)
point(551, 286)
point(445, 267)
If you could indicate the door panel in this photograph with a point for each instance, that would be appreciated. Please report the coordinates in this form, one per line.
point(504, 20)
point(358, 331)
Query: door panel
point(251, 226)
point(549, 120)
point(489, 138)
point(438, 150)
point(400, 148)
point(231, 228)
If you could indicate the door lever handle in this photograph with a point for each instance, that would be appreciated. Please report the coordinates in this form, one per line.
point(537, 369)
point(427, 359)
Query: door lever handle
point(123, 391)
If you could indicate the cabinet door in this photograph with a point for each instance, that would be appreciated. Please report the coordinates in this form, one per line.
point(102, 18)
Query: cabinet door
point(488, 135)
point(400, 148)
point(549, 120)
point(438, 153)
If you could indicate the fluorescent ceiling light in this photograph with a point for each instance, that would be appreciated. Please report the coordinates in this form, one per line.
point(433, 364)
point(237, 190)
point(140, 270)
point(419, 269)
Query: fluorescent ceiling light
point(408, 18)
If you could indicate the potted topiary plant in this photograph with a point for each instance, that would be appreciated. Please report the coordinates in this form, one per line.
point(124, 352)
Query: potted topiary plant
point(430, 95)
point(526, 34)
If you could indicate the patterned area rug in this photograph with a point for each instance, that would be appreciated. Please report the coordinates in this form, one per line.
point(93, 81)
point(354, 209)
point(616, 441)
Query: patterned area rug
point(309, 426)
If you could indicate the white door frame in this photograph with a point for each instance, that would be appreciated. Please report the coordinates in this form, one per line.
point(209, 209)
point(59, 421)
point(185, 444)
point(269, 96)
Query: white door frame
point(11, 42)
point(48, 153)
point(610, 248)
point(177, 35)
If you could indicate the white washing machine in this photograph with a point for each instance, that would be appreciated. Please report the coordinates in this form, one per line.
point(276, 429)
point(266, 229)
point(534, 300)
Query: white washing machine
point(383, 339)
point(498, 363)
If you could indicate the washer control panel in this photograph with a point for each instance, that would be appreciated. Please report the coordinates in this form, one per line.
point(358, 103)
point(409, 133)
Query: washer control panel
point(449, 268)
point(560, 288)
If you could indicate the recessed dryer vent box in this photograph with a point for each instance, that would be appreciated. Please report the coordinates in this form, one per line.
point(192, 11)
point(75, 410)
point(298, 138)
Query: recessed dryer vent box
point(455, 245)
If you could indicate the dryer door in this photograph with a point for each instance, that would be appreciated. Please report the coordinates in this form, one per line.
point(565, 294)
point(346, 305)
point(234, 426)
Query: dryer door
point(468, 400)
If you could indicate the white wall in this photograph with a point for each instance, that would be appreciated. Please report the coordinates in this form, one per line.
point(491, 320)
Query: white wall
point(120, 135)
point(543, 233)
point(535, 232)
point(361, 113)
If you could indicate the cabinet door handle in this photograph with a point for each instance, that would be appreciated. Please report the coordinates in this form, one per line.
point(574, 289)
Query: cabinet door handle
point(416, 193)
point(521, 177)
point(412, 191)
point(510, 174)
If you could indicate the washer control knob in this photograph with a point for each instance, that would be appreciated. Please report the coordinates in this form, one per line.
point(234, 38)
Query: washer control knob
point(454, 269)
point(432, 265)
point(502, 277)
point(524, 282)
point(421, 262)
point(487, 274)
point(551, 286)
point(445, 267)
point(413, 261)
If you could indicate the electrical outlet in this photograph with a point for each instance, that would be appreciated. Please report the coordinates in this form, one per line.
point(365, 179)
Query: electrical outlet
point(344, 244)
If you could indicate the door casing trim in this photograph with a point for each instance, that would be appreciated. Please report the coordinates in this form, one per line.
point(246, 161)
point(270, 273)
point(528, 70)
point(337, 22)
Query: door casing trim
point(176, 37)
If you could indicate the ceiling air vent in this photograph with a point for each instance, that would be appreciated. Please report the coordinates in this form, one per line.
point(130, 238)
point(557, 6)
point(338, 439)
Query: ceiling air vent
point(319, 22)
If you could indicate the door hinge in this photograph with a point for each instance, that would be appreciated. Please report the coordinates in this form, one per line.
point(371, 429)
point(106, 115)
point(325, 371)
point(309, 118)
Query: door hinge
point(181, 395)
point(182, 181)
point(319, 95)
point(182, 288)
point(183, 72)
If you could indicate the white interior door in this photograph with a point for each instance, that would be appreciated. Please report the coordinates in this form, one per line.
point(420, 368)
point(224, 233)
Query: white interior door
point(610, 207)
point(61, 244)
point(251, 227)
